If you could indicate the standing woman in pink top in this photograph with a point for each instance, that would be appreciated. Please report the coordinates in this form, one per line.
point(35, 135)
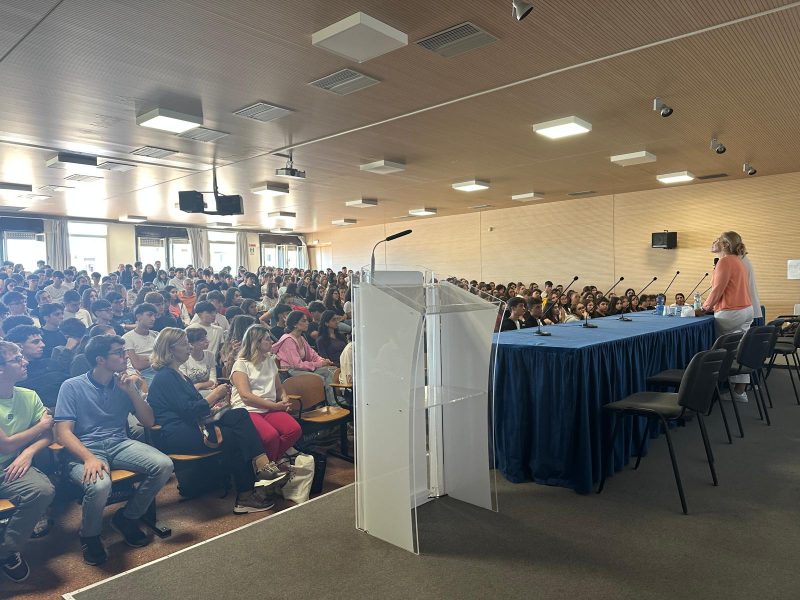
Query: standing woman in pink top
point(730, 297)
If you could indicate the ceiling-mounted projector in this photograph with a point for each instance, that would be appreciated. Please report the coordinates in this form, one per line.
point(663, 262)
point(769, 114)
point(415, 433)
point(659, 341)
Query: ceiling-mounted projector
point(290, 172)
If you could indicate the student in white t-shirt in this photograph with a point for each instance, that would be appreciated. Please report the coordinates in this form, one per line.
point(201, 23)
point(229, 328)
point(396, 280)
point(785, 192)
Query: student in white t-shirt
point(73, 310)
point(206, 315)
point(201, 366)
point(257, 387)
point(139, 341)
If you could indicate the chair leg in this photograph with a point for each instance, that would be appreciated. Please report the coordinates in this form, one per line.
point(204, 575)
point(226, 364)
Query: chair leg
point(642, 442)
point(718, 400)
point(609, 450)
point(791, 377)
point(758, 392)
point(707, 444)
point(796, 362)
point(675, 466)
point(755, 395)
point(766, 387)
point(736, 411)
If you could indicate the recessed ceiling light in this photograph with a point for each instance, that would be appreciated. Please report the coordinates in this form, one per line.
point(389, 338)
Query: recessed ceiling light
point(172, 121)
point(220, 225)
point(272, 189)
point(480, 206)
point(422, 212)
point(359, 37)
point(473, 185)
point(527, 197)
point(559, 128)
point(116, 166)
point(362, 203)
point(282, 214)
point(16, 187)
point(133, 219)
point(281, 230)
point(383, 167)
point(678, 177)
point(633, 158)
point(343, 222)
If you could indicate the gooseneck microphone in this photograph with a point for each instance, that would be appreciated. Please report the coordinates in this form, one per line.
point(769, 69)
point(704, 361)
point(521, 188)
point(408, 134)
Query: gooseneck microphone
point(698, 285)
point(394, 236)
point(647, 286)
point(550, 307)
point(670, 284)
point(613, 286)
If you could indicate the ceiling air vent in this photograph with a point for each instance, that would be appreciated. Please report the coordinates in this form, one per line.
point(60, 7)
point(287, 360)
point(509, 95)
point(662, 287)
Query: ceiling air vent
point(261, 111)
point(83, 178)
point(344, 82)
point(153, 152)
point(713, 176)
point(457, 40)
point(201, 134)
point(583, 193)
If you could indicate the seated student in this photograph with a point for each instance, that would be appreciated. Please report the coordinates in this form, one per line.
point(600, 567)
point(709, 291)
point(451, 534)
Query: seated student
point(187, 296)
point(91, 423)
point(680, 300)
point(176, 307)
point(80, 363)
point(74, 331)
point(514, 316)
point(73, 310)
point(53, 316)
point(279, 315)
point(103, 314)
point(590, 309)
point(164, 317)
point(139, 341)
point(201, 366)
point(119, 314)
point(316, 309)
point(25, 429)
point(602, 307)
point(206, 315)
point(233, 343)
point(535, 316)
point(16, 304)
point(217, 298)
point(294, 352)
point(179, 406)
point(257, 388)
point(330, 342)
point(44, 377)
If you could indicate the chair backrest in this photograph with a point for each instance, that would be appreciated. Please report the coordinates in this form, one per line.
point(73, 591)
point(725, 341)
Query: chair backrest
point(730, 343)
point(796, 339)
point(756, 346)
point(699, 380)
point(310, 388)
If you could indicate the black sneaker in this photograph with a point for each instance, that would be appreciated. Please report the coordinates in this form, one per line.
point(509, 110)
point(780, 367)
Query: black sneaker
point(42, 527)
point(93, 551)
point(271, 477)
point(252, 501)
point(129, 528)
point(16, 568)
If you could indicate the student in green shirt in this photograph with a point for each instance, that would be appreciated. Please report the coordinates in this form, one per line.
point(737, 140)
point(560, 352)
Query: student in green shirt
point(25, 429)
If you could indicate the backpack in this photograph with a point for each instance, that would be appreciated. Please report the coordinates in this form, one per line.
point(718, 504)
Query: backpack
point(201, 477)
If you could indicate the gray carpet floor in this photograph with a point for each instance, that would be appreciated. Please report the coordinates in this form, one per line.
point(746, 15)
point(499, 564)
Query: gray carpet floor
point(740, 540)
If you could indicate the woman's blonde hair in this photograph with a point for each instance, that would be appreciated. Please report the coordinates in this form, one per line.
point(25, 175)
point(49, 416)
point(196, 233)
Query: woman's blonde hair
point(162, 349)
point(733, 241)
point(251, 342)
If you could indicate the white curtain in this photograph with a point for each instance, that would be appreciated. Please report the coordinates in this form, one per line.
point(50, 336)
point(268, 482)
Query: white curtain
point(302, 253)
point(56, 239)
point(201, 255)
point(241, 250)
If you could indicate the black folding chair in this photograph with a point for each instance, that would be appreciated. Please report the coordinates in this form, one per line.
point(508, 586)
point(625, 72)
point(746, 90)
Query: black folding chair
point(695, 394)
point(755, 348)
point(787, 349)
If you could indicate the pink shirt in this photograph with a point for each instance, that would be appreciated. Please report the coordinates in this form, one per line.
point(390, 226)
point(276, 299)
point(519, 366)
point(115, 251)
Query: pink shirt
point(730, 285)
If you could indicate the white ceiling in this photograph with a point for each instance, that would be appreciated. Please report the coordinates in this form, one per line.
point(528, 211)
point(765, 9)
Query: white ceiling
point(74, 74)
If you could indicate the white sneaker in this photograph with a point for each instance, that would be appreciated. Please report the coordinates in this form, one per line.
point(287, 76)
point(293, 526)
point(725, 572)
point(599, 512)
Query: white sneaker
point(740, 397)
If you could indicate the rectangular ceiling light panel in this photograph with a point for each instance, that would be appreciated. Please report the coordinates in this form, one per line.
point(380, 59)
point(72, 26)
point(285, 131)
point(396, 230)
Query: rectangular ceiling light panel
point(383, 167)
point(64, 160)
point(281, 230)
point(422, 212)
point(172, 121)
point(362, 203)
point(359, 38)
point(457, 40)
point(633, 158)
point(344, 82)
point(473, 185)
point(271, 189)
point(678, 177)
point(282, 214)
point(133, 219)
point(527, 197)
point(560, 128)
point(263, 111)
point(343, 222)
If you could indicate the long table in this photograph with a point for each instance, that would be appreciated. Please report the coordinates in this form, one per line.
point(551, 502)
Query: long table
point(549, 391)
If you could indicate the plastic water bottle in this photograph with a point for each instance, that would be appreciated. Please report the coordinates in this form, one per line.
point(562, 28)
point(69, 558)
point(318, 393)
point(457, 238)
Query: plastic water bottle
point(698, 301)
point(660, 306)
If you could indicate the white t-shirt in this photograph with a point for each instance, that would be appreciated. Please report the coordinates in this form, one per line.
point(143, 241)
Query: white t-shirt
point(200, 371)
point(82, 315)
point(142, 345)
point(262, 381)
point(215, 335)
point(220, 320)
point(57, 294)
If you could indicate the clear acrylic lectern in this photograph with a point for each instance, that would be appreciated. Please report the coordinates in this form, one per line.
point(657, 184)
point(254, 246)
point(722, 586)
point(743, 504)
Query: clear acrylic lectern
point(422, 354)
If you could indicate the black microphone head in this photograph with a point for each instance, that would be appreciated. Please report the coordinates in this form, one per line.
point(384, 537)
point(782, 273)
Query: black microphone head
point(677, 272)
point(400, 234)
point(706, 275)
point(622, 279)
point(575, 278)
point(654, 278)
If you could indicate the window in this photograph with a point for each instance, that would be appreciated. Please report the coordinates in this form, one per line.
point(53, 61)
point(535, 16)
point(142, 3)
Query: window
point(24, 248)
point(151, 250)
point(269, 255)
point(180, 252)
point(291, 257)
point(222, 246)
point(89, 246)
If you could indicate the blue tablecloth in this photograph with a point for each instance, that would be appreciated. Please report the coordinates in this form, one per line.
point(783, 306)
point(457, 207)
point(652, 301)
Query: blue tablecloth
point(549, 391)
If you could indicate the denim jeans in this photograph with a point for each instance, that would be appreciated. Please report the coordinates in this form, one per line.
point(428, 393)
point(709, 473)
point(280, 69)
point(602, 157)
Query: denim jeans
point(31, 494)
point(120, 454)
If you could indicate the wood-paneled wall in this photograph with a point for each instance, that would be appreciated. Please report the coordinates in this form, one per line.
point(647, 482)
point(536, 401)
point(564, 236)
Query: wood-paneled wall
point(602, 238)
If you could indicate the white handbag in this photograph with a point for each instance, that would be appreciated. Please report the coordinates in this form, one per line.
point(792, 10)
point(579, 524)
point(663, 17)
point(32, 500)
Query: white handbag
point(301, 476)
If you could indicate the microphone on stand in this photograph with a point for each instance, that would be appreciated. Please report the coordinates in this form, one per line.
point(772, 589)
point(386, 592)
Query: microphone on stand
point(698, 285)
point(647, 286)
point(613, 286)
point(550, 307)
point(394, 236)
point(670, 284)
point(586, 323)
